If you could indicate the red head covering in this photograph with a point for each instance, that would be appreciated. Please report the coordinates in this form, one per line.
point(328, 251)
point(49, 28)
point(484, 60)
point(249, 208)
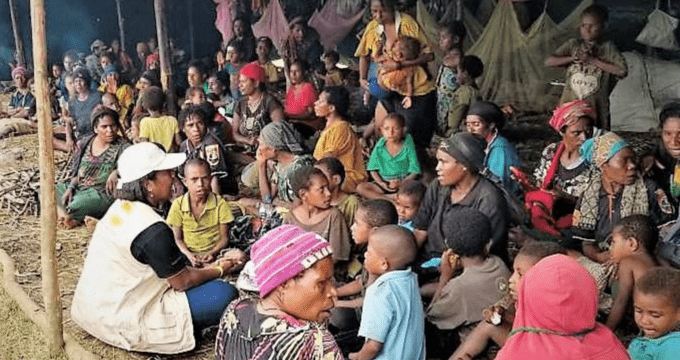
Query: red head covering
point(556, 309)
point(568, 113)
point(153, 58)
point(19, 70)
point(252, 71)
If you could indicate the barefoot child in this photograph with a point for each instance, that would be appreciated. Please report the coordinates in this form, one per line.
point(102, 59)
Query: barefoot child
point(199, 218)
point(392, 317)
point(316, 214)
point(593, 64)
point(408, 200)
point(498, 318)
point(335, 173)
point(408, 81)
point(392, 161)
point(657, 313)
point(632, 247)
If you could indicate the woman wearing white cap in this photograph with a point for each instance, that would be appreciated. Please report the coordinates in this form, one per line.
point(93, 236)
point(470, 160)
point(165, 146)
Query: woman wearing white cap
point(137, 290)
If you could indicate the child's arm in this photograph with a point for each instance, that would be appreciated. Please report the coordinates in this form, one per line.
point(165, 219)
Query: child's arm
point(176, 140)
point(351, 304)
point(611, 68)
point(626, 283)
point(379, 180)
point(446, 270)
point(224, 240)
point(179, 240)
point(351, 288)
point(369, 351)
point(558, 61)
point(215, 185)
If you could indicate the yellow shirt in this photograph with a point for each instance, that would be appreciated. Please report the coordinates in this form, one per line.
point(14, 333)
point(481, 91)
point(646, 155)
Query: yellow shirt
point(270, 72)
point(397, 80)
point(341, 142)
point(203, 233)
point(161, 130)
point(406, 26)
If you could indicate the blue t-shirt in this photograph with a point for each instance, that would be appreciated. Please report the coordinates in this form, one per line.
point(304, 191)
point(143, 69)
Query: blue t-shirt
point(501, 156)
point(664, 348)
point(393, 315)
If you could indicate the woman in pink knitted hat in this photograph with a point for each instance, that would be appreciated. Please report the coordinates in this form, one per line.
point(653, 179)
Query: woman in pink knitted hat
point(294, 273)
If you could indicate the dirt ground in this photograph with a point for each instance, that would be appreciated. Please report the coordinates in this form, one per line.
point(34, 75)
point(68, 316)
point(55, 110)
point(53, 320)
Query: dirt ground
point(19, 236)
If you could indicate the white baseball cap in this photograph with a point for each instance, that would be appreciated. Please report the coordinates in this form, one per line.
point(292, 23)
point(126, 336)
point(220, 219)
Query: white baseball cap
point(144, 158)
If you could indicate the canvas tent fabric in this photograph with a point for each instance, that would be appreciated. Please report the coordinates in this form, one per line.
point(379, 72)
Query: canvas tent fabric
point(637, 99)
point(225, 11)
point(659, 31)
point(273, 24)
point(331, 26)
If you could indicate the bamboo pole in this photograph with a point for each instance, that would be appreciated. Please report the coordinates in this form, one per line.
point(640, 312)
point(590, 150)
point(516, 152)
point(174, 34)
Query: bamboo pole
point(121, 25)
point(18, 40)
point(164, 53)
point(48, 203)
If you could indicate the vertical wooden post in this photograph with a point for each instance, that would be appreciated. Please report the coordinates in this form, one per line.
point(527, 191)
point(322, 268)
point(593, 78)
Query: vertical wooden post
point(121, 25)
point(459, 10)
point(190, 12)
point(48, 203)
point(18, 40)
point(164, 53)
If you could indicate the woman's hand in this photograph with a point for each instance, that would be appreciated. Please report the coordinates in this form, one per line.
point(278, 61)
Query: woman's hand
point(232, 260)
point(67, 196)
point(364, 84)
point(111, 182)
point(195, 260)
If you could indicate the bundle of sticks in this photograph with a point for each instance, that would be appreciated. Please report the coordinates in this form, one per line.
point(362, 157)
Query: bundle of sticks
point(19, 189)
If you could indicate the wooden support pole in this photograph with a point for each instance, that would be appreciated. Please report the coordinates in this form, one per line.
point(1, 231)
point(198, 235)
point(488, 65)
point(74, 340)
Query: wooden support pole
point(48, 203)
point(121, 25)
point(190, 13)
point(18, 40)
point(459, 10)
point(164, 53)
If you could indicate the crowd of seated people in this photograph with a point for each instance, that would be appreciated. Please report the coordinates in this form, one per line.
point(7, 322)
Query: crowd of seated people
point(257, 203)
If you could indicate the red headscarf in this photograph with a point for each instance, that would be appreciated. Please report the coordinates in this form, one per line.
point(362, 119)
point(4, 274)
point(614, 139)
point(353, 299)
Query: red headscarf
point(253, 71)
point(556, 309)
point(568, 113)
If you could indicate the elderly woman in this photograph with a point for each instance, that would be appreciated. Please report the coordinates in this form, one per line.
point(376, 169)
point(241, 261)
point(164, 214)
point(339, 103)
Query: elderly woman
point(485, 120)
point(138, 291)
point(302, 44)
point(294, 273)
point(21, 106)
point(460, 158)
point(556, 310)
point(123, 92)
point(662, 165)
point(279, 156)
point(93, 175)
point(376, 44)
point(255, 109)
point(613, 191)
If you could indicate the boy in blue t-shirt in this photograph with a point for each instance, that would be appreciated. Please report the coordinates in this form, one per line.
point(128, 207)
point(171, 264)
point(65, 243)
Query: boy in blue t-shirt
point(657, 314)
point(392, 318)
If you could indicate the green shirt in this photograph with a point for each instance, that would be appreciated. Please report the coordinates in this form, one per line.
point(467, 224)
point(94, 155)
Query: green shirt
point(398, 167)
point(203, 233)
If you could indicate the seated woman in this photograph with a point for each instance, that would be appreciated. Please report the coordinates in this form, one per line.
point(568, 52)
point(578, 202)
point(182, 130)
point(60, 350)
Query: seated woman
point(561, 169)
point(21, 107)
point(235, 61)
point(555, 319)
point(255, 109)
point(137, 290)
point(662, 165)
point(613, 191)
point(460, 158)
point(279, 156)
point(485, 120)
point(302, 44)
point(338, 140)
point(300, 98)
point(93, 175)
point(294, 273)
point(123, 92)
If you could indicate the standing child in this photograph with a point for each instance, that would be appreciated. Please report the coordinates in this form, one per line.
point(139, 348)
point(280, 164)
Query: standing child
point(498, 318)
point(451, 44)
point(333, 75)
point(316, 214)
point(408, 201)
point(408, 81)
point(593, 64)
point(263, 50)
point(470, 67)
point(162, 129)
point(335, 173)
point(392, 317)
point(657, 313)
point(458, 301)
point(199, 218)
point(392, 161)
point(632, 247)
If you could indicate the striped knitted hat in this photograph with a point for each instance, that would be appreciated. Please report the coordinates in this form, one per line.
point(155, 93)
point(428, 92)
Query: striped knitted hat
point(285, 252)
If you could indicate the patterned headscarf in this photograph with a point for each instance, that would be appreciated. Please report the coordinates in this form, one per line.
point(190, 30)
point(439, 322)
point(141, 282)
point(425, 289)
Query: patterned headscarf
point(281, 136)
point(19, 70)
point(569, 113)
point(602, 148)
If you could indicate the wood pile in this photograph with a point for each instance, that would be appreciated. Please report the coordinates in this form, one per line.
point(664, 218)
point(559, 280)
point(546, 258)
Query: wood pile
point(20, 189)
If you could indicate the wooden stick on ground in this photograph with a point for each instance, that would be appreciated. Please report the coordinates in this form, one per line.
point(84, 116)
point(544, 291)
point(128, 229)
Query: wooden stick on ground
point(48, 213)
